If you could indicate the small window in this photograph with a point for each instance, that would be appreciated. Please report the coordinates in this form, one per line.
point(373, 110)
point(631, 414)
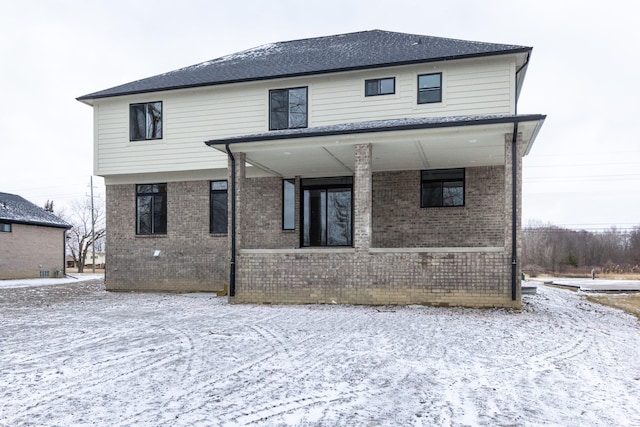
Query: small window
point(288, 108)
point(5, 228)
point(145, 121)
point(218, 216)
point(151, 209)
point(442, 187)
point(429, 88)
point(384, 86)
point(288, 204)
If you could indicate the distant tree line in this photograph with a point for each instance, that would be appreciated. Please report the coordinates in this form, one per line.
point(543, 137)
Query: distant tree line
point(549, 248)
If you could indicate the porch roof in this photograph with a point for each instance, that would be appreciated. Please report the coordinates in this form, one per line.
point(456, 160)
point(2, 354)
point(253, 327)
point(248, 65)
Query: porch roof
point(398, 144)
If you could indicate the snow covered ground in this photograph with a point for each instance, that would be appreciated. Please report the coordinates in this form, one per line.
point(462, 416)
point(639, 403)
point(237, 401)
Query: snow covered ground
point(73, 354)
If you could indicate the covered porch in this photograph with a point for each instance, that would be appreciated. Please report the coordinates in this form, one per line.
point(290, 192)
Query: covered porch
point(399, 249)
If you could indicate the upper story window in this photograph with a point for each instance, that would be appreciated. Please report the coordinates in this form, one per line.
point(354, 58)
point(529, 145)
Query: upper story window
point(288, 108)
point(218, 214)
point(384, 86)
point(5, 228)
point(442, 187)
point(151, 209)
point(429, 88)
point(145, 121)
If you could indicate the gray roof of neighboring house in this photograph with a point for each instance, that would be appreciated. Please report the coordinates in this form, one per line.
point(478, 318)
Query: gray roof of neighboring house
point(343, 52)
point(17, 210)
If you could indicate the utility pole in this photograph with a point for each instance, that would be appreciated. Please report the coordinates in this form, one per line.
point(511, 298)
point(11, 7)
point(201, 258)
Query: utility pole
point(93, 231)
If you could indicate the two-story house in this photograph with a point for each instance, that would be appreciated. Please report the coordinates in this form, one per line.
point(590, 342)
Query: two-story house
point(367, 168)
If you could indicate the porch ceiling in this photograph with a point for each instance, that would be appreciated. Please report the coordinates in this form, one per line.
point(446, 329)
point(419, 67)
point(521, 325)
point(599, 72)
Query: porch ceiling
point(332, 154)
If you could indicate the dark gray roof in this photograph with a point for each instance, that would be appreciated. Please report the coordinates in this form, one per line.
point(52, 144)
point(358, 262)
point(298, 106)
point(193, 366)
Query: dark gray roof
point(380, 126)
point(343, 52)
point(15, 209)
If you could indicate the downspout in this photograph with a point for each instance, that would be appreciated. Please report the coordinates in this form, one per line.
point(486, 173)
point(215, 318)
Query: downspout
point(514, 212)
point(232, 265)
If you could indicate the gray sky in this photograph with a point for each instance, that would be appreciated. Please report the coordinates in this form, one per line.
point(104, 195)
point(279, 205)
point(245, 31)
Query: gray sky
point(583, 170)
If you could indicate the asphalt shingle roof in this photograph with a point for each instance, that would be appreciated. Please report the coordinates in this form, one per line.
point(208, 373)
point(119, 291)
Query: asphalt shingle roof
point(15, 209)
point(343, 52)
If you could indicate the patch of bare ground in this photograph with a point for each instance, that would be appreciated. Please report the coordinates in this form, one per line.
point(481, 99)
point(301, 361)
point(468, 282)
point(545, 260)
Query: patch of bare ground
point(627, 302)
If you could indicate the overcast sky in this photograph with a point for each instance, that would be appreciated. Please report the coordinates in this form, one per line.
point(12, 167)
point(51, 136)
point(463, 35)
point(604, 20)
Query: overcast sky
point(583, 170)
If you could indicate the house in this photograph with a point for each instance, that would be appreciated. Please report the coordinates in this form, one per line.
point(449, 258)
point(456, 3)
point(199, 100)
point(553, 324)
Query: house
point(32, 240)
point(366, 168)
point(99, 256)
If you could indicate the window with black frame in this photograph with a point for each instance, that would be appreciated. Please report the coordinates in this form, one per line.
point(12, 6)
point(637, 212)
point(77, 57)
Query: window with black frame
point(151, 209)
point(442, 188)
point(429, 88)
point(288, 108)
point(288, 204)
point(218, 216)
point(385, 86)
point(327, 211)
point(145, 121)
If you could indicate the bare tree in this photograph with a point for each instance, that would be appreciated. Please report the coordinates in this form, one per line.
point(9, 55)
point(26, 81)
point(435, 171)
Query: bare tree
point(80, 238)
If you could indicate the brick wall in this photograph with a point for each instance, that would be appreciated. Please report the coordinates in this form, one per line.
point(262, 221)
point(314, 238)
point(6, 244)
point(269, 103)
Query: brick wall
point(399, 221)
point(191, 259)
point(29, 249)
point(474, 279)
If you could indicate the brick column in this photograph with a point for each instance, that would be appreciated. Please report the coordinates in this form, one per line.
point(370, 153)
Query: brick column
point(362, 186)
point(240, 182)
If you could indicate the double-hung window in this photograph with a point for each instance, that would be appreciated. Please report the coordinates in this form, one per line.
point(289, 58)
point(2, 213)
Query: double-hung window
point(145, 121)
point(218, 216)
point(151, 209)
point(429, 88)
point(288, 108)
point(327, 211)
point(442, 187)
point(384, 86)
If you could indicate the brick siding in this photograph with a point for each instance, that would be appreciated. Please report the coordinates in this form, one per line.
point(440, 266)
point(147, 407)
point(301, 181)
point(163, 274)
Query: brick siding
point(29, 249)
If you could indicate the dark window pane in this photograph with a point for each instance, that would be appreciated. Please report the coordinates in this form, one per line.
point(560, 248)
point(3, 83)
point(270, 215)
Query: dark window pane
point(154, 120)
point(143, 215)
point(431, 194)
point(428, 96)
point(289, 204)
point(298, 108)
point(278, 113)
point(443, 174)
point(315, 220)
point(371, 87)
point(159, 214)
point(339, 217)
point(137, 119)
point(219, 213)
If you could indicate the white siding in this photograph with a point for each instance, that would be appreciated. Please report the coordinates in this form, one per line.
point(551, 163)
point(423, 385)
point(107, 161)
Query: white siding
point(192, 116)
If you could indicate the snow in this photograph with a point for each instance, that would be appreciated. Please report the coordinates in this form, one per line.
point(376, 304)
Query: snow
point(73, 354)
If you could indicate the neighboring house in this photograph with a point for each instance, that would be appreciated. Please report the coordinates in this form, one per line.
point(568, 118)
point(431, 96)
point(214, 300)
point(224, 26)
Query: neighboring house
point(32, 240)
point(100, 260)
point(365, 168)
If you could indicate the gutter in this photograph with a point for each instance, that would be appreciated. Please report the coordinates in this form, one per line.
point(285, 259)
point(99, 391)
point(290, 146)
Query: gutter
point(232, 264)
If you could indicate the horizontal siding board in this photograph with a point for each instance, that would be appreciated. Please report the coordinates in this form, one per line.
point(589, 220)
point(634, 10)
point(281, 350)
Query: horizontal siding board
point(192, 116)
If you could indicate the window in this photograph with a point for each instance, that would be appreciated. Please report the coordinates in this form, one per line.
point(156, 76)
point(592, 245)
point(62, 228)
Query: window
point(288, 204)
point(5, 228)
point(442, 187)
point(151, 209)
point(326, 211)
point(384, 86)
point(145, 121)
point(288, 108)
point(429, 88)
point(218, 216)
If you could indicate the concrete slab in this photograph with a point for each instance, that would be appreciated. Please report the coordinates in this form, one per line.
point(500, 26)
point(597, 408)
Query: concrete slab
point(589, 285)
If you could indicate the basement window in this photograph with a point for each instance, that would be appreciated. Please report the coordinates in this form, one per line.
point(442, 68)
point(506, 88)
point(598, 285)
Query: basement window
point(442, 188)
